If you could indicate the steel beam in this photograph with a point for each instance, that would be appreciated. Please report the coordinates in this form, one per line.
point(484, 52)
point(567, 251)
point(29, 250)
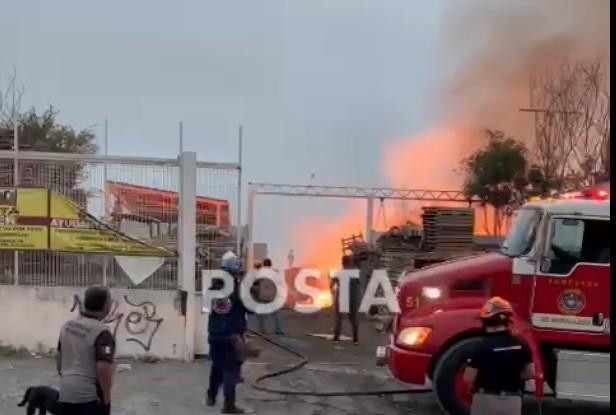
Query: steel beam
point(101, 158)
point(359, 192)
point(345, 192)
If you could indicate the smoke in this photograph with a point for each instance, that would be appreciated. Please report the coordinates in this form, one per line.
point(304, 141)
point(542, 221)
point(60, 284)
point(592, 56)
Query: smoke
point(492, 48)
point(499, 45)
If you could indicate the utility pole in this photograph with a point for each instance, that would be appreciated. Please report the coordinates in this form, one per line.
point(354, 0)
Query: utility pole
point(181, 135)
point(238, 218)
point(105, 196)
point(15, 181)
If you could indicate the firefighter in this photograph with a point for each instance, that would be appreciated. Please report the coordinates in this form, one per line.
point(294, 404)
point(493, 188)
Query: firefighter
point(226, 329)
point(499, 365)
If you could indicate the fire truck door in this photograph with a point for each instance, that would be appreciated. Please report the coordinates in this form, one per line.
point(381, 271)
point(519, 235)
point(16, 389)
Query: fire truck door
point(572, 282)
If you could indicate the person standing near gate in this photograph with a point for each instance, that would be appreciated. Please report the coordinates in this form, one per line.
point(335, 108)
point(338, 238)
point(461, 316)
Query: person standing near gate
point(354, 302)
point(499, 366)
point(226, 328)
point(85, 356)
point(267, 293)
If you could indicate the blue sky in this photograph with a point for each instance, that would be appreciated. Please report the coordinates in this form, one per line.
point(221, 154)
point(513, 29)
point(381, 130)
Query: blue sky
point(319, 86)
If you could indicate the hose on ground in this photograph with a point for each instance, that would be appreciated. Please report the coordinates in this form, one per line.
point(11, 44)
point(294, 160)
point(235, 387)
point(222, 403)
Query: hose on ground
point(303, 360)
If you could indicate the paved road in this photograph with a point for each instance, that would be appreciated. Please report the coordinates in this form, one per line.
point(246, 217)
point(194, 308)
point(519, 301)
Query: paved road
point(178, 388)
point(168, 388)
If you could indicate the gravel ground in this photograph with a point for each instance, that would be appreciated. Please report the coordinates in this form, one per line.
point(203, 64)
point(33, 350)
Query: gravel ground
point(178, 388)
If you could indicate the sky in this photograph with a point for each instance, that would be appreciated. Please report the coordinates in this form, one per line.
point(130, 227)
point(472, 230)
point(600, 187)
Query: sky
point(319, 86)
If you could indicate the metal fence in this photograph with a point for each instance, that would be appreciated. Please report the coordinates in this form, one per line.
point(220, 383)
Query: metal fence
point(214, 241)
point(119, 192)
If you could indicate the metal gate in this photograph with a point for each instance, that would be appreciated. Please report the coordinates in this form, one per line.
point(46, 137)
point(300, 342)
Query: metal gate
point(146, 198)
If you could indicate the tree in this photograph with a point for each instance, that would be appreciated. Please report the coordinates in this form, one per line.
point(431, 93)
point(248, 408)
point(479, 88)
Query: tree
point(572, 123)
point(42, 132)
point(498, 174)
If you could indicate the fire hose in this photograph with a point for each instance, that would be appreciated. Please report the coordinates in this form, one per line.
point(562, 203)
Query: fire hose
point(303, 360)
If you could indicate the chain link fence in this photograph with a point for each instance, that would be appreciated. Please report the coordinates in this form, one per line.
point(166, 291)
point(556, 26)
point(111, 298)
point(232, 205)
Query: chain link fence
point(214, 239)
point(136, 196)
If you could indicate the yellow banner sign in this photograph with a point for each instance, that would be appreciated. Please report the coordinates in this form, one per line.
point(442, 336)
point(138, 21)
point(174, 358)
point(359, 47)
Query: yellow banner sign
point(17, 237)
point(23, 219)
point(100, 241)
point(37, 219)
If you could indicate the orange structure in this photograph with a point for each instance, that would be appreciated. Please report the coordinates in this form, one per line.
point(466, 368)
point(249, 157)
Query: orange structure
point(162, 205)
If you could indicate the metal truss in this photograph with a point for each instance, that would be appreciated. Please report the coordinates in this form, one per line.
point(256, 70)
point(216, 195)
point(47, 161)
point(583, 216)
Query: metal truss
point(369, 194)
point(359, 192)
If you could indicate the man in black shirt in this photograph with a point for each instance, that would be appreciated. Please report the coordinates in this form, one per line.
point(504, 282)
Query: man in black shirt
point(354, 302)
point(499, 365)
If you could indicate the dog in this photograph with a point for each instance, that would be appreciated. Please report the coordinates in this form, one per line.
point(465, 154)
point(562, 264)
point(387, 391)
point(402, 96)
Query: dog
point(43, 398)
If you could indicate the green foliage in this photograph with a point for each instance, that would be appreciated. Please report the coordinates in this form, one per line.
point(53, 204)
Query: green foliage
point(497, 173)
point(42, 132)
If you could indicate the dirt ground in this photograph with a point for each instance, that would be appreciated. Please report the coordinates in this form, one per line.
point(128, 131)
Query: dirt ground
point(179, 388)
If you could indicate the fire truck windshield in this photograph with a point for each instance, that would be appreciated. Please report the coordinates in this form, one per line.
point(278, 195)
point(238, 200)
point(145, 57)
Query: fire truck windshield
point(522, 235)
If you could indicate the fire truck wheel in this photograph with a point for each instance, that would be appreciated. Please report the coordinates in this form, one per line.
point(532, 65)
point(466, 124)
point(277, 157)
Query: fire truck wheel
point(452, 394)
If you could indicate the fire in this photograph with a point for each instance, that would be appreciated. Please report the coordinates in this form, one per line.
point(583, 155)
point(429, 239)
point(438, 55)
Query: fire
point(320, 242)
point(325, 299)
point(427, 161)
point(432, 160)
point(501, 47)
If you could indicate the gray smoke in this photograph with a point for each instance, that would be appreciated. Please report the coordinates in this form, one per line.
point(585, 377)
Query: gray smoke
point(499, 44)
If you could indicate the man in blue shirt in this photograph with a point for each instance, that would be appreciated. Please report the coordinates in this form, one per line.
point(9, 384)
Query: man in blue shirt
point(226, 328)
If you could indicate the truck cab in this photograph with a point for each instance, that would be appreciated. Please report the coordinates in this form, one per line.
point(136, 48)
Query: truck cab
point(554, 267)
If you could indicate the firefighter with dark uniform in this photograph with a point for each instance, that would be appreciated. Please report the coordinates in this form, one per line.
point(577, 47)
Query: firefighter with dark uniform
point(226, 329)
point(497, 370)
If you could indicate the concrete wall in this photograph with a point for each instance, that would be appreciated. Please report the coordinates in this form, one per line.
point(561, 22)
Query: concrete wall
point(145, 322)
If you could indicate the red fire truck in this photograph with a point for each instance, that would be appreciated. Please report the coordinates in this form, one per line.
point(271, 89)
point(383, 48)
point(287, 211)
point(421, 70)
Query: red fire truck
point(554, 268)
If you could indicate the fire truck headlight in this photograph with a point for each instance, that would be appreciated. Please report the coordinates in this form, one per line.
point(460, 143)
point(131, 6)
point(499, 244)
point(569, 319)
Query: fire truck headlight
point(413, 336)
point(432, 293)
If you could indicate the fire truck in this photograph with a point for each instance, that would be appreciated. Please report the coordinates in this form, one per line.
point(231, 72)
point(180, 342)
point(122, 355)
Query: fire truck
point(554, 267)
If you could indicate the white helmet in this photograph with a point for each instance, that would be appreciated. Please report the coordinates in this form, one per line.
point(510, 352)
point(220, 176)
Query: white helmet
point(229, 255)
point(230, 262)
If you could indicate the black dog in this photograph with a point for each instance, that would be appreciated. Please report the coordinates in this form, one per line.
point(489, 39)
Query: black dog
point(43, 398)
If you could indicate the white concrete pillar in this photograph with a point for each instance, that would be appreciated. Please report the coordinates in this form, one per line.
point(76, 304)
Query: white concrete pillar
point(187, 241)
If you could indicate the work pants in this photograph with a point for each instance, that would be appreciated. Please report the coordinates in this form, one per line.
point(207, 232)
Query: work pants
point(352, 314)
point(276, 316)
point(225, 370)
point(485, 404)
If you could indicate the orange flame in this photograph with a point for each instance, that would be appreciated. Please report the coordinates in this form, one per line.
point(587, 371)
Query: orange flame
point(320, 243)
point(427, 161)
point(502, 47)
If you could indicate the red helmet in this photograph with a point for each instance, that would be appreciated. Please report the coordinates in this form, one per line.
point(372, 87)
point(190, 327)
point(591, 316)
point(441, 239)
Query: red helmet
point(496, 308)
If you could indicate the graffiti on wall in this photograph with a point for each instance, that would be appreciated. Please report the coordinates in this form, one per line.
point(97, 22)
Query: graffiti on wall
point(138, 320)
